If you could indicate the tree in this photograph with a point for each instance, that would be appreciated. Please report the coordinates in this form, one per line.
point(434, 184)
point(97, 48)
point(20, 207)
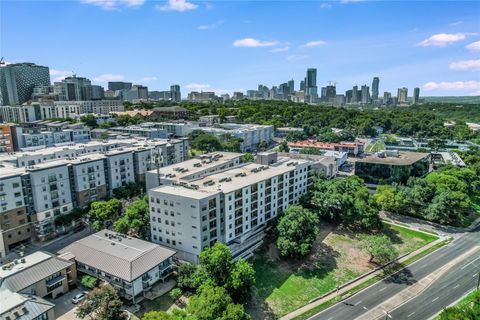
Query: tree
point(248, 157)
point(89, 120)
point(346, 200)
point(101, 303)
point(232, 144)
point(235, 312)
point(185, 276)
point(176, 314)
point(447, 207)
point(263, 145)
point(379, 247)
point(297, 230)
point(217, 261)
point(89, 281)
point(206, 142)
point(209, 303)
point(283, 147)
point(213, 303)
point(175, 294)
point(128, 191)
point(136, 220)
point(241, 281)
point(103, 213)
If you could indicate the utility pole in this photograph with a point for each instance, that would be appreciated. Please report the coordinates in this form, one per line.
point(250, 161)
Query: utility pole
point(478, 282)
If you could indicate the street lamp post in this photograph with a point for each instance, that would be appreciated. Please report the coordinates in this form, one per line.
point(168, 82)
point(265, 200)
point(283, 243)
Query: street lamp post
point(387, 315)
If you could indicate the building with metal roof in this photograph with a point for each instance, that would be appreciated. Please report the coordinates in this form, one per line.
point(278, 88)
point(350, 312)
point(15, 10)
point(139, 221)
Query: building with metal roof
point(26, 281)
point(131, 265)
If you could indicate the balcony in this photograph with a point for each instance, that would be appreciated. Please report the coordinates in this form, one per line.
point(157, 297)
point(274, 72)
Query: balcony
point(54, 280)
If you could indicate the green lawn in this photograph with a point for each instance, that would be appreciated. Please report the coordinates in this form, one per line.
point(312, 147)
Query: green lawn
point(162, 303)
point(377, 146)
point(287, 285)
point(466, 302)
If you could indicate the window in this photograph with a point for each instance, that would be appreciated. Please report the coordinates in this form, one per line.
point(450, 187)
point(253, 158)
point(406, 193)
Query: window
point(15, 185)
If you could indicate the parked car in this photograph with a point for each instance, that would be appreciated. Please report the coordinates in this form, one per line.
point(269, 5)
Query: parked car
point(79, 297)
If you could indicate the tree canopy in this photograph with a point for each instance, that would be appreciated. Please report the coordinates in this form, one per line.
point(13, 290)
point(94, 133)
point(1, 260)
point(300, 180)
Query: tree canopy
point(136, 220)
point(101, 303)
point(345, 200)
point(297, 230)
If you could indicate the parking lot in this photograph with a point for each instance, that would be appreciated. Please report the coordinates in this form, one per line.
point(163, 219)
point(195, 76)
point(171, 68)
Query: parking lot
point(64, 308)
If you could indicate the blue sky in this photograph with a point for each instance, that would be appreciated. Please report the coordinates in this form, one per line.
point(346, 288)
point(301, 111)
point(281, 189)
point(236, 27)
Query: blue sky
point(235, 45)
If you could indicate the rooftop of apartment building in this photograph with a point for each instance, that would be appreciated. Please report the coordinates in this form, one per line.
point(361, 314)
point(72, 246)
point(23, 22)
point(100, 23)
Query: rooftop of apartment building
point(191, 167)
point(326, 145)
point(400, 158)
point(230, 180)
point(117, 254)
point(117, 143)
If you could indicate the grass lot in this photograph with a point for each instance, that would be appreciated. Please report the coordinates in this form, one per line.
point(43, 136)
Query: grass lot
point(336, 258)
point(377, 146)
point(467, 301)
point(162, 303)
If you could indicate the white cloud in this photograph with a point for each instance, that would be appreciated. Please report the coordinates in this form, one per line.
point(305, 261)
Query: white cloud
point(474, 46)
point(253, 43)
point(466, 65)
point(325, 5)
point(281, 49)
point(351, 1)
point(210, 26)
point(456, 85)
point(198, 86)
point(443, 39)
point(315, 43)
point(114, 4)
point(476, 93)
point(294, 57)
point(456, 23)
point(177, 5)
point(109, 77)
point(148, 79)
point(59, 75)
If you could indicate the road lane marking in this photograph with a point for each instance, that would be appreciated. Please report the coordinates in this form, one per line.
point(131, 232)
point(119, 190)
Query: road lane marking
point(356, 304)
point(456, 286)
point(411, 314)
point(435, 299)
point(469, 263)
point(382, 289)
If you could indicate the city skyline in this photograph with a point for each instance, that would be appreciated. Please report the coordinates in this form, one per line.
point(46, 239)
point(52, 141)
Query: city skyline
point(440, 56)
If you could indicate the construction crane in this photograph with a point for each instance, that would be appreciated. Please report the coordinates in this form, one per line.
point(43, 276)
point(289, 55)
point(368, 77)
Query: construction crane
point(332, 83)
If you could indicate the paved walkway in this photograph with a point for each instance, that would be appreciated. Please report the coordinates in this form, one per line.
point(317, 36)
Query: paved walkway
point(355, 283)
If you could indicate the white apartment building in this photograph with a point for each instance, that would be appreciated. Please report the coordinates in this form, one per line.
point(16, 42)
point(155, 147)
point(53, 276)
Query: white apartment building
point(37, 186)
point(231, 206)
point(119, 168)
point(51, 194)
point(89, 179)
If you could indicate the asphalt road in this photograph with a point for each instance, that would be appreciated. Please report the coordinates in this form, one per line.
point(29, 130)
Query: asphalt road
point(448, 288)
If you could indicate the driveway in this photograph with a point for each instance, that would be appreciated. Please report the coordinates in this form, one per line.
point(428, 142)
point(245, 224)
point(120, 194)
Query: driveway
point(64, 308)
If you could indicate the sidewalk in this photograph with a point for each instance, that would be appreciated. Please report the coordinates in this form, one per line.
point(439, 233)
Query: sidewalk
point(356, 282)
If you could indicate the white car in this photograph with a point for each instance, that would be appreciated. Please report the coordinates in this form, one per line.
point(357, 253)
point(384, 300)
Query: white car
point(79, 297)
